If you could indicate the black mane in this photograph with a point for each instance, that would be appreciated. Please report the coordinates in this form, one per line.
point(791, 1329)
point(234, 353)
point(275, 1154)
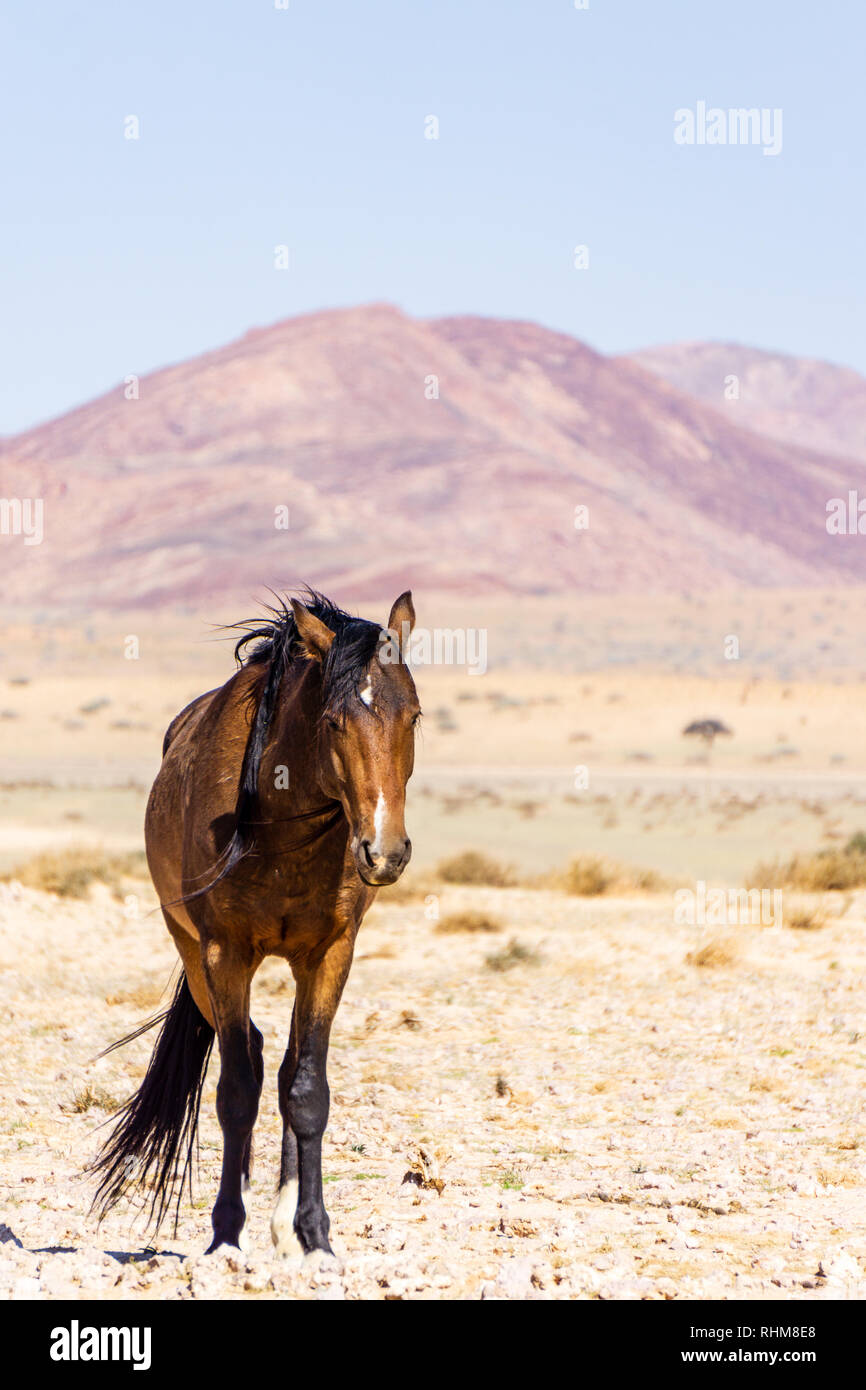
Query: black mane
point(277, 646)
point(278, 643)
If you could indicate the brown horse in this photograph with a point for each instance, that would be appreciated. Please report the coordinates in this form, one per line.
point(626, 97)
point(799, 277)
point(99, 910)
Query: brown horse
point(276, 814)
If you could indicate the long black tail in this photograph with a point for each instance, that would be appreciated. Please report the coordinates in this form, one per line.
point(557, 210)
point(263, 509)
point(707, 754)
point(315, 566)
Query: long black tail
point(151, 1148)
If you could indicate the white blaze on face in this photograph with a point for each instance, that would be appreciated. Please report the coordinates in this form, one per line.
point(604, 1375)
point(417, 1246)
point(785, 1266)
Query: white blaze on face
point(367, 693)
point(378, 824)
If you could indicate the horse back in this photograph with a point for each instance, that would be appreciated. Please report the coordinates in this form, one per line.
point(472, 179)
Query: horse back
point(180, 721)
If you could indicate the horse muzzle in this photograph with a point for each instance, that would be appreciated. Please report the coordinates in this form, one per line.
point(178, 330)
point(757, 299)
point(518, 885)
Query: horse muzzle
point(378, 868)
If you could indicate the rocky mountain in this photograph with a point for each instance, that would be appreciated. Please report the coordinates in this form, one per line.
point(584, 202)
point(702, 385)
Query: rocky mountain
point(791, 399)
point(365, 451)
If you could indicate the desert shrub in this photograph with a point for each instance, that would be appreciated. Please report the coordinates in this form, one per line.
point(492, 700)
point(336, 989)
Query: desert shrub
point(476, 868)
point(70, 872)
point(589, 876)
point(92, 1097)
point(515, 953)
point(826, 870)
point(140, 997)
point(468, 922)
point(719, 950)
point(647, 880)
point(804, 916)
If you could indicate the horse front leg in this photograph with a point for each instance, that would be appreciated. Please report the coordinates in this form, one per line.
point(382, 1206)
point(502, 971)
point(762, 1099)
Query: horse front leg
point(305, 1098)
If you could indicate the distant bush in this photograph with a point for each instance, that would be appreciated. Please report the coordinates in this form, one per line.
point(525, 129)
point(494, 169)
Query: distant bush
point(588, 877)
point(70, 872)
point(474, 867)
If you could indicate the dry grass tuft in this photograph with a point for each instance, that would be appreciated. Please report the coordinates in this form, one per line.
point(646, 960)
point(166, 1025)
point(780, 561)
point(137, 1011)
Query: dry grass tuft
point(141, 997)
point(825, 871)
point(763, 1084)
point(384, 952)
point(515, 953)
point(587, 877)
point(92, 1098)
point(468, 921)
point(837, 1176)
point(69, 873)
point(474, 867)
point(804, 916)
point(409, 1020)
point(718, 951)
point(590, 876)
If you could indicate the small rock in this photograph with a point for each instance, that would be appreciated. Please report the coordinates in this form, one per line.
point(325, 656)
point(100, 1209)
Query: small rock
point(320, 1262)
point(516, 1226)
point(514, 1279)
point(840, 1268)
point(26, 1287)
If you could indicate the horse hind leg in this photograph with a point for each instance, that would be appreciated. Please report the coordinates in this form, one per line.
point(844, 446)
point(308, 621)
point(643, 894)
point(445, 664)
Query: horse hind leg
point(257, 1054)
point(283, 1235)
point(228, 981)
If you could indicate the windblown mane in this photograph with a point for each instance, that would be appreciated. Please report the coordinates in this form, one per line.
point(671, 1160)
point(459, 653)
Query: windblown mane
point(277, 647)
point(277, 642)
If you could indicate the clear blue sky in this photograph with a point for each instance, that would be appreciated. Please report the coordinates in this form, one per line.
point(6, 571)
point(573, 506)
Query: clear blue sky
point(305, 126)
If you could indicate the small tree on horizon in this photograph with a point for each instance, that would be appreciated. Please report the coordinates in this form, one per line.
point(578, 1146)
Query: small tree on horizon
point(706, 729)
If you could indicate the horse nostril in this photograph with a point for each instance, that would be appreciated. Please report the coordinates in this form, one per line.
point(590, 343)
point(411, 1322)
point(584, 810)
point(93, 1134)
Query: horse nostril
point(365, 846)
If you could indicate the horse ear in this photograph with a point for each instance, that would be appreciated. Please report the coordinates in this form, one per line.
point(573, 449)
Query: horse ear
point(403, 611)
point(315, 636)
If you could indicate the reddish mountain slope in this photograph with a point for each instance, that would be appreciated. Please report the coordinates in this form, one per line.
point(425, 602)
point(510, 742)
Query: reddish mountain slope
point(795, 400)
point(172, 497)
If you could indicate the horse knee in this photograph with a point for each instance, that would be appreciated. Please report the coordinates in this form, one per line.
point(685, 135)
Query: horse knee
point(257, 1047)
point(237, 1102)
point(307, 1101)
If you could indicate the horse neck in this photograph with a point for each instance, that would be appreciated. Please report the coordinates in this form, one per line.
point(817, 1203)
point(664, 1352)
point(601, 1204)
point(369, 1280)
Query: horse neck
point(292, 745)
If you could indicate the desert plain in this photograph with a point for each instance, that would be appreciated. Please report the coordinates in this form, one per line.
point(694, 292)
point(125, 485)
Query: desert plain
point(546, 1084)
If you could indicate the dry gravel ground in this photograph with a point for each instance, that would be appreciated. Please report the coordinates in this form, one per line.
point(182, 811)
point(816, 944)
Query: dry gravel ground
point(609, 1120)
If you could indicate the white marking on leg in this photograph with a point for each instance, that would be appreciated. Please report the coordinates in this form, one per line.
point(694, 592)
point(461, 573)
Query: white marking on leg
point(243, 1238)
point(283, 1221)
point(378, 823)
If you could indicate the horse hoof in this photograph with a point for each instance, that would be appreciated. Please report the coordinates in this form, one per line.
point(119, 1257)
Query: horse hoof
point(225, 1249)
point(290, 1261)
point(323, 1260)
